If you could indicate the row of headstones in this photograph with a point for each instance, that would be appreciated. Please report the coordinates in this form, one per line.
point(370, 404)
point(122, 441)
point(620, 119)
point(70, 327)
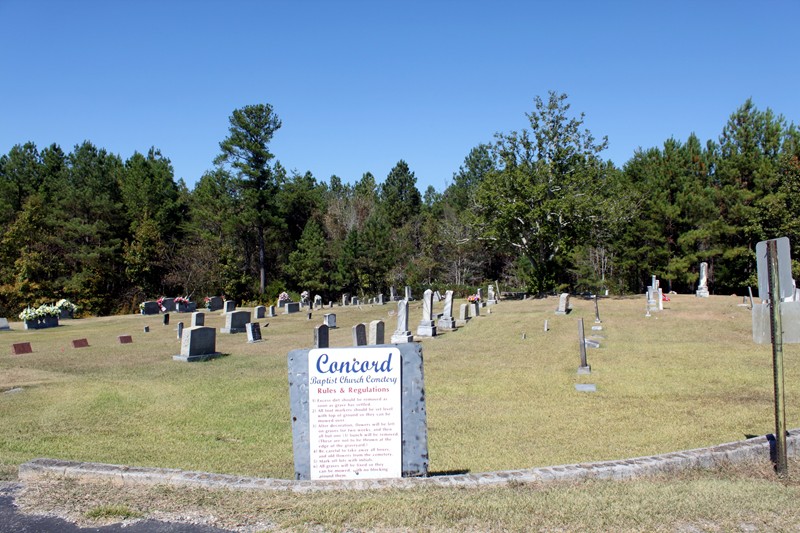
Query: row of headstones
point(169, 305)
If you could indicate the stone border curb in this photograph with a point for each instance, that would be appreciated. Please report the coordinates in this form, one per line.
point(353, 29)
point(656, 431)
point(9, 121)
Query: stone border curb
point(755, 448)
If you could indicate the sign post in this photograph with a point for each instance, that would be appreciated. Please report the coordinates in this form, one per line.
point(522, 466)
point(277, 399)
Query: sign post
point(777, 356)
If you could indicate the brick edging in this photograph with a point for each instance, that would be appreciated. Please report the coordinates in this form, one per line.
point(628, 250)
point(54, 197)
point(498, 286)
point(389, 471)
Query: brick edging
point(756, 448)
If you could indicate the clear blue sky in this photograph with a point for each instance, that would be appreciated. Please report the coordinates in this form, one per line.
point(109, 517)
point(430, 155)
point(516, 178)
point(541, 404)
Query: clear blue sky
point(361, 85)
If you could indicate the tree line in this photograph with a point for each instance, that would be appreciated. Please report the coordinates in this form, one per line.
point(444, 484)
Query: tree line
point(538, 210)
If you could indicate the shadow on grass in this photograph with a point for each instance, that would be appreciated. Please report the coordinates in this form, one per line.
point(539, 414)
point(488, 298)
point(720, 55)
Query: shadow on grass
point(448, 473)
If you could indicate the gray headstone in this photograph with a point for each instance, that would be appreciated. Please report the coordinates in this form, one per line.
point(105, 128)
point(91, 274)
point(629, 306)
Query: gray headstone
point(380, 299)
point(492, 297)
point(215, 303)
point(235, 322)
point(474, 309)
point(253, 331)
point(165, 320)
point(354, 300)
point(168, 304)
point(198, 319)
point(230, 306)
point(359, 335)
point(392, 294)
point(4, 324)
point(329, 319)
point(260, 311)
point(702, 286)
point(150, 308)
point(376, 332)
point(563, 304)
point(321, 336)
point(427, 327)
point(408, 293)
point(180, 330)
point(317, 302)
point(402, 333)
point(271, 311)
point(447, 322)
point(198, 344)
point(291, 307)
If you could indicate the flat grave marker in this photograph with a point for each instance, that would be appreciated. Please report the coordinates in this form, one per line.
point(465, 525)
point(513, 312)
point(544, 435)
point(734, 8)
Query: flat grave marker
point(80, 343)
point(125, 339)
point(21, 348)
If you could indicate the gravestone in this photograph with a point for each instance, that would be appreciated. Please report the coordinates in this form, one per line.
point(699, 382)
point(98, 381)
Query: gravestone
point(354, 300)
point(380, 299)
point(168, 304)
point(480, 296)
point(235, 322)
point(291, 307)
point(198, 319)
point(345, 299)
point(563, 304)
point(230, 306)
point(124, 339)
point(474, 309)
point(180, 330)
point(392, 294)
point(446, 322)
point(21, 348)
point(321, 336)
point(150, 308)
point(80, 343)
point(345, 430)
point(317, 302)
point(329, 319)
point(402, 334)
point(702, 285)
point(376, 332)
point(427, 327)
point(198, 344)
point(463, 315)
point(408, 293)
point(437, 296)
point(492, 298)
point(271, 312)
point(359, 335)
point(4, 324)
point(215, 303)
point(584, 368)
point(165, 320)
point(260, 311)
point(253, 331)
point(146, 329)
point(660, 299)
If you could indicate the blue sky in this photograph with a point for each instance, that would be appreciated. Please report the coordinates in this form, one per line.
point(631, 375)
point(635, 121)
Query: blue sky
point(361, 85)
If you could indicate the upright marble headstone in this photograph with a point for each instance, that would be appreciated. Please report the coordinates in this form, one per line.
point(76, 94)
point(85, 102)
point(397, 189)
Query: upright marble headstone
point(427, 327)
point(463, 315)
point(402, 333)
point(198, 344)
point(660, 299)
point(317, 301)
point(447, 322)
point(4, 324)
point(235, 322)
point(291, 307)
point(437, 296)
point(392, 294)
point(345, 299)
point(179, 329)
point(474, 309)
point(253, 331)
point(260, 311)
point(198, 319)
point(354, 300)
point(321, 336)
point(376, 332)
point(379, 300)
point(702, 285)
point(230, 306)
point(492, 297)
point(271, 311)
point(329, 319)
point(563, 304)
point(408, 293)
point(359, 335)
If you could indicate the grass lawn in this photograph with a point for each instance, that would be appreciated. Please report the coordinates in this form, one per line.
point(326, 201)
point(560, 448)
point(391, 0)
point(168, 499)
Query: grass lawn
point(686, 377)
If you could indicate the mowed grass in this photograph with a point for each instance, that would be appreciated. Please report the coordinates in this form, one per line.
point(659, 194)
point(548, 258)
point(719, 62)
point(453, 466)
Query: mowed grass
point(686, 377)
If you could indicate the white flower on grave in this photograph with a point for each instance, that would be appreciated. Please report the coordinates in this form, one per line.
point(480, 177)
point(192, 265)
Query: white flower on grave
point(63, 303)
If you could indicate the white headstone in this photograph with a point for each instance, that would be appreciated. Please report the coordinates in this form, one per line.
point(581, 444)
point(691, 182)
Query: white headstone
point(402, 333)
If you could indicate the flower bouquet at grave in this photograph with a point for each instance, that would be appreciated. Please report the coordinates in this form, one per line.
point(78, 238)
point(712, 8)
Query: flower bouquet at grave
point(207, 302)
point(141, 307)
point(66, 308)
point(284, 297)
point(160, 303)
point(473, 298)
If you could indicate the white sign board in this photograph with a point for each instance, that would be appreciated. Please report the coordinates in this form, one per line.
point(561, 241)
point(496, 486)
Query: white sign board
point(355, 413)
point(784, 268)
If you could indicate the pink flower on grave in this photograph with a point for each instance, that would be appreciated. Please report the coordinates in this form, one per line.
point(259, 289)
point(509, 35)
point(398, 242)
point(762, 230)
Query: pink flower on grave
point(472, 298)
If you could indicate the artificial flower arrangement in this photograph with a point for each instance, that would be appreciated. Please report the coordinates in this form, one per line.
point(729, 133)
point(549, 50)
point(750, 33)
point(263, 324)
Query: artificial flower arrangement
point(65, 305)
point(284, 297)
point(472, 298)
point(182, 300)
point(42, 311)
